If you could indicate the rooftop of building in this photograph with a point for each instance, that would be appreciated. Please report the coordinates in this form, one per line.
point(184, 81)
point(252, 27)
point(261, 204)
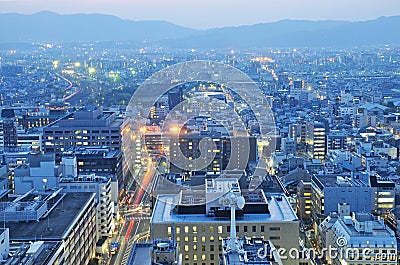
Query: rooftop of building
point(56, 224)
point(335, 180)
point(142, 252)
point(251, 253)
point(38, 252)
point(100, 151)
point(278, 206)
point(87, 178)
point(377, 226)
point(88, 119)
point(140, 255)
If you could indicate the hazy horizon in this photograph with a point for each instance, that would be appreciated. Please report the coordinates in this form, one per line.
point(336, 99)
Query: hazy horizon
point(209, 14)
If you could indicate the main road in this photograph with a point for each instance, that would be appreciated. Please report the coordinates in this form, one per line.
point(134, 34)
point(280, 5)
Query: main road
point(136, 224)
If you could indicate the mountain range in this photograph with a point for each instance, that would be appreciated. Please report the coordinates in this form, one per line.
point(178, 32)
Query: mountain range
point(51, 27)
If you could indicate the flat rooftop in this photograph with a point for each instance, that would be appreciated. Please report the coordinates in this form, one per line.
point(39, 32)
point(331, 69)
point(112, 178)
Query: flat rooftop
point(142, 255)
point(56, 224)
point(278, 206)
point(324, 181)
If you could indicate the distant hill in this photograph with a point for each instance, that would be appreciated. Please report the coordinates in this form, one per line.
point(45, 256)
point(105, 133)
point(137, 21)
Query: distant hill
point(48, 26)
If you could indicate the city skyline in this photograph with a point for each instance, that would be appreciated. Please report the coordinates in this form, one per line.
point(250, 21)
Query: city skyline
point(221, 14)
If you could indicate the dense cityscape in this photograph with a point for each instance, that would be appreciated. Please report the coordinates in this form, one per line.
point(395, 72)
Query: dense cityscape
point(114, 153)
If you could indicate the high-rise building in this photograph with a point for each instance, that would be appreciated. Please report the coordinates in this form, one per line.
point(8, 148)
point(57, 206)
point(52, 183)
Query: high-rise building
point(198, 222)
point(99, 160)
point(316, 140)
point(9, 133)
point(174, 97)
point(101, 186)
point(67, 219)
point(85, 127)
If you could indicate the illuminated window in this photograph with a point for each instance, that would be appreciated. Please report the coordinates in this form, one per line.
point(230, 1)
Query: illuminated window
point(220, 229)
point(186, 239)
point(186, 229)
point(194, 228)
point(186, 248)
point(211, 238)
point(211, 229)
point(178, 230)
point(169, 229)
point(203, 239)
point(195, 239)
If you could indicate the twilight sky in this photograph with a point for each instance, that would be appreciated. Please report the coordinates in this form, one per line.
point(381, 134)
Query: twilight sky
point(214, 13)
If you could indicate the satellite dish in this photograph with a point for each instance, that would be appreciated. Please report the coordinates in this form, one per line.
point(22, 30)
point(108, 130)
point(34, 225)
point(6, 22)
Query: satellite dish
point(240, 202)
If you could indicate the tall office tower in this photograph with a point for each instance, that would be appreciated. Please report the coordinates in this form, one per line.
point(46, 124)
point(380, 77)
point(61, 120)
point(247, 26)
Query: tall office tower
point(174, 97)
point(85, 127)
point(10, 137)
point(189, 145)
point(316, 140)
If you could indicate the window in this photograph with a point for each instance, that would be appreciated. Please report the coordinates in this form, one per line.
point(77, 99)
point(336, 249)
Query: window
point(194, 256)
point(211, 229)
point(274, 237)
point(178, 230)
point(274, 229)
point(245, 229)
point(203, 257)
point(195, 239)
point(186, 248)
point(194, 228)
point(211, 238)
point(220, 229)
point(186, 239)
point(186, 229)
point(203, 239)
point(262, 229)
point(211, 247)
point(169, 229)
point(254, 229)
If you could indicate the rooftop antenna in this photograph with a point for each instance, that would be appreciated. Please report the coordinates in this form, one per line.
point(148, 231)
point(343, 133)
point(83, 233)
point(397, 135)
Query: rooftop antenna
point(231, 199)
